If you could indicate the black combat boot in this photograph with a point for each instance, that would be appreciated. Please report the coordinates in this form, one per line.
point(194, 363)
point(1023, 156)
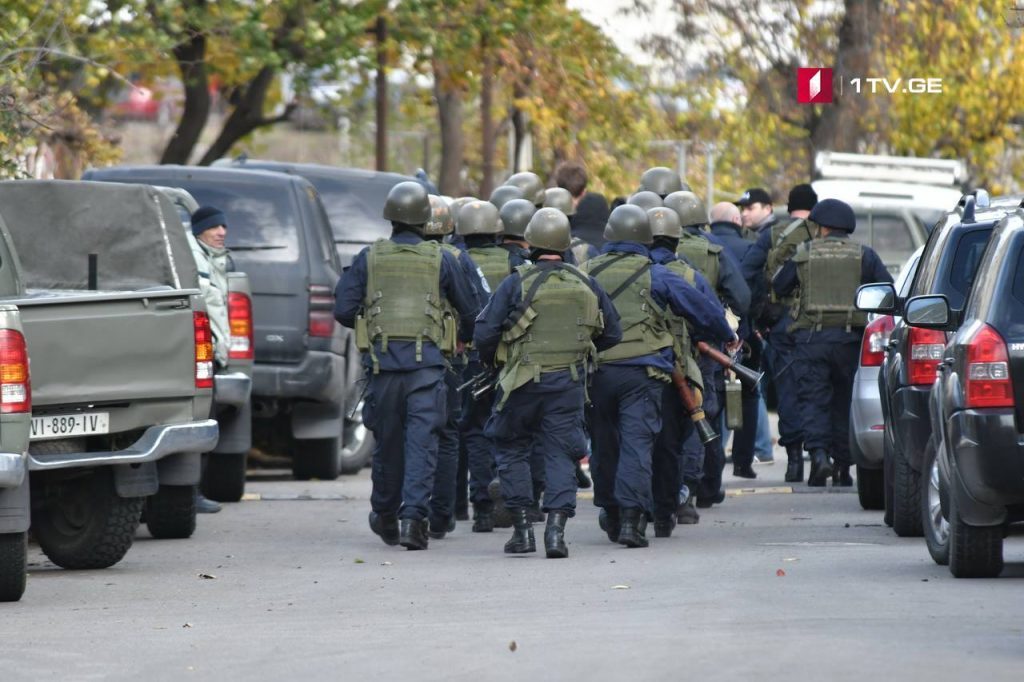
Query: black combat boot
point(483, 519)
point(745, 471)
point(634, 524)
point(554, 535)
point(522, 540)
point(534, 513)
point(438, 527)
point(821, 468)
point(663, 527)
point(582, 480)
point(386, 526)
point(795, 463)
point(502, 518)
point(841, 478)
point(608, 519)
point(413, 533)
point(687, 514)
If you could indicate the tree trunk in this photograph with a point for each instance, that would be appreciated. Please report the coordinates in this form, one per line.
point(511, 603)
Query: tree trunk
point(453, 141)
point(246, 117)
point(839, 127)
point(487, 120)
point(191, 59)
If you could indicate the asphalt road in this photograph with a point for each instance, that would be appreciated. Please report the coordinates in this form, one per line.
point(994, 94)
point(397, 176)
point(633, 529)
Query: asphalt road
point(771, 585)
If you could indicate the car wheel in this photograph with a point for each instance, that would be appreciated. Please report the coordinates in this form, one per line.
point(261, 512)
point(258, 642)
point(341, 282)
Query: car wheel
point(974, 551)
point(358, 443)
point(171, 513)
point(13, 563)
point(906, 503)
point(871, 488)
point(316, 458)
point(224, 478)
point(933, 520)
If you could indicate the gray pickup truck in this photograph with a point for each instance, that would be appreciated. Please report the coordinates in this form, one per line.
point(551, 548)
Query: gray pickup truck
point(121, 373)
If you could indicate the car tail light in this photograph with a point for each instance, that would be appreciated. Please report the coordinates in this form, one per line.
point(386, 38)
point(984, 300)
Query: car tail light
point(988, 370)
point(926, 347)
point(15, 388)
point(204, 350)
point(240, 321)
point(321, 311)
point(876, 338)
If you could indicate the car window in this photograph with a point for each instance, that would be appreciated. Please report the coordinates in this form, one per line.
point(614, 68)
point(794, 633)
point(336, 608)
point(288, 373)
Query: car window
point(354, 207)
point(321, 224)
point(965, 265)
point(906, 276)
point(930, 260)
point(1009, 317)
point(262, 218)
point(890, 235)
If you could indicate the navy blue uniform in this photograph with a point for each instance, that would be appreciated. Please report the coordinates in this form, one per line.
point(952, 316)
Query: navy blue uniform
point(828, 362)
point(627, 409)
point(405, 403)
point(544, 416)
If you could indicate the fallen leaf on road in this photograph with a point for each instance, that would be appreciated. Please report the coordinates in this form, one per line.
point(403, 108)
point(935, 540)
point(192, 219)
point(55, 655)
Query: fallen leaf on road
point(207, 576)
point(620, 587)
point(780, 573)
point(187, 625)
point(359, 561)
point(512, 646)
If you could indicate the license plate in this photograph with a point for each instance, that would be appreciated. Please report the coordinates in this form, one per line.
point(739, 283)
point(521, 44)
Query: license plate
point(64, 425)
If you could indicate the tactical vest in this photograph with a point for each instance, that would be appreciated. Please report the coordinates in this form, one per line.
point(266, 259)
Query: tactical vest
point(552, 329)
point(680, 328)
point(702, 254)
point(829, 273)
point(451, 315)
point(785, 238)
point(403, 297)
point(493, 262)
point(580, 250)
point(627, 279)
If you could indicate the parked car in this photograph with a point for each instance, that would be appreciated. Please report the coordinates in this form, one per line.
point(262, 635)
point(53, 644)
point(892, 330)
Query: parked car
point(975, 475)
point(224, 478)
point(121, 377)
point(867, 424)
point(947, 266)
point(306, 367)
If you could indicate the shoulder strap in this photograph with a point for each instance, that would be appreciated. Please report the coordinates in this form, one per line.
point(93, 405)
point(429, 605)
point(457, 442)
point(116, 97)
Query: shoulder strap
point(629, 281)
point(612, 260)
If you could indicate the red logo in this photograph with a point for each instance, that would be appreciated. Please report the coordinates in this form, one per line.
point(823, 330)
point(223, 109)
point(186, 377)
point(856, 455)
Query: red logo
point(814, 86)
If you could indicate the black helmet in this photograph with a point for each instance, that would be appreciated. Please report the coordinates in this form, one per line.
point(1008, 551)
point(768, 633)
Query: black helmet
point(665, 222)
point(515, 216)
point(530, 183)
point(628, 223)
point(407, 203)
point(833, 214)
point(689, 206)
point(662, 181)
point(440, 222)
point(556, 197)
point(645, 200)
point(549, 229)
point(503, 194)
point(478, 217)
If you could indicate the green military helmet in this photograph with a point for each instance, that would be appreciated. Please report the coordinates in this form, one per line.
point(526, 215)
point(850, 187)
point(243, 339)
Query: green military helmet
point(662, 181)
point(645, 199)
point(407, 203)
point(515, 216)
point(549, 229)
point(504, 194)
point(478, 217)
point(628, 223)
point(557, 197)
point(530, 183)
point(690, 208)
point(440, 222)
point(664, 222)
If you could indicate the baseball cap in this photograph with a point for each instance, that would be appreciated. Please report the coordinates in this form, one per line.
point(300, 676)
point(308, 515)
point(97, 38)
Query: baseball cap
point(754, 195)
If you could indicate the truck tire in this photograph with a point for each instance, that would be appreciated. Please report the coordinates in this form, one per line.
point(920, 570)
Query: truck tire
point(171, 513)
point(358, 444)
point(318, 458)
point(974, 551)
point(871, 488)
point(13, 565)
point(906, 503)
point(84, 523)
point(933, 520)
point(224, 478)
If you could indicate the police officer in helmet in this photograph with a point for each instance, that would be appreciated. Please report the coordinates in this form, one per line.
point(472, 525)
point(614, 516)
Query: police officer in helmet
point(543, 326)
point(827, 272)
point(395, 295)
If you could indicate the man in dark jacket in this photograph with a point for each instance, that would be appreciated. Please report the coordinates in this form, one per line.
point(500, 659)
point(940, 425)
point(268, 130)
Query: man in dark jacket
point(591, 208)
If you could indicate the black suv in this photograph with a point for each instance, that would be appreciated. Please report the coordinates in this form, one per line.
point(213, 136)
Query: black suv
point(307, 368)
point(947, 266)
point(976, 474)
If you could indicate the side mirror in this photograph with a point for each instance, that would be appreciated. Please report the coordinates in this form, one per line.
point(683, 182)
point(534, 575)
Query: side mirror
point(877, 298)
point(928, 312)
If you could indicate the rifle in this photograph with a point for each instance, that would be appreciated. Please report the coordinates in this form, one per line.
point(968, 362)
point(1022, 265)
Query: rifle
point(749, 377)
point(696, 411)
point(480, 383)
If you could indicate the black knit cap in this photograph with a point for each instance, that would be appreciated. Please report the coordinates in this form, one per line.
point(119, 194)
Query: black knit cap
point(207, 217)
point(834, 214)
point(802, 198)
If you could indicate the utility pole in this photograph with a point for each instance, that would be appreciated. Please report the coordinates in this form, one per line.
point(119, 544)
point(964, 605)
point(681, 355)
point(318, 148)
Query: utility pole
point(381, 32)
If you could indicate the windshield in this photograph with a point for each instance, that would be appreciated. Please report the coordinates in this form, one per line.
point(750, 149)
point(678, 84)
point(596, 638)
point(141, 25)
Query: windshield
point(354, 207)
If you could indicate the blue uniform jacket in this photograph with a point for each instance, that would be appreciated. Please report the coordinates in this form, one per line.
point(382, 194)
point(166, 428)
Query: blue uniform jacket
point(670, 291)
point(401, 355)
point(508, 295)
point(871, 270)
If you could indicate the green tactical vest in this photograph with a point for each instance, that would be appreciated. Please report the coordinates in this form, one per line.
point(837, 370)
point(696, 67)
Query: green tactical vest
point(554, 332)
point(493, 262)
point(785, 238)
point(580, 250)
point(645, 328)
point(403, 296)
point(702, 254)
point(829, 273)
point(680, 328)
